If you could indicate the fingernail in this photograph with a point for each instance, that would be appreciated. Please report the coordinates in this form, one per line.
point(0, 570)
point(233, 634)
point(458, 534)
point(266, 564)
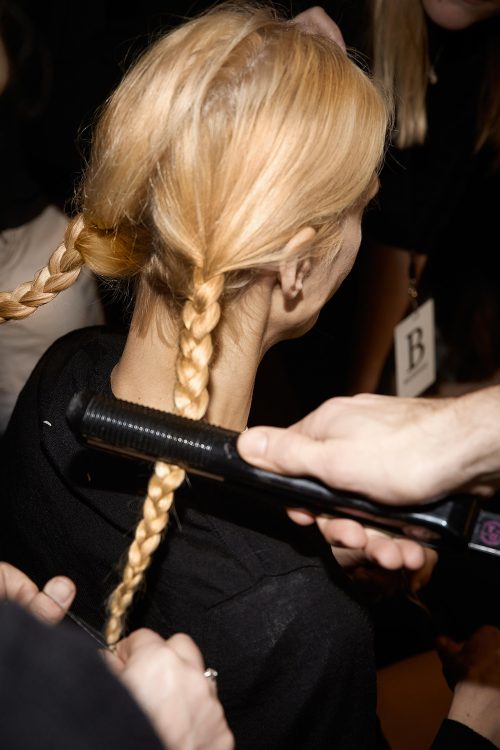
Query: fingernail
point(61, 590)
point(253, 443)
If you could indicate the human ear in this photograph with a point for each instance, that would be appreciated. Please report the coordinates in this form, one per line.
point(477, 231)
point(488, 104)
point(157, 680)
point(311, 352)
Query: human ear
point(292, 272)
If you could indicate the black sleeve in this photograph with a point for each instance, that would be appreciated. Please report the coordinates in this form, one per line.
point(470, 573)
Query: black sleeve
point(455, 736)
point(56, 692)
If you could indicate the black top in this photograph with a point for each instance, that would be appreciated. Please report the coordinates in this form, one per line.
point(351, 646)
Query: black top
point(456, 736)
point(432, 195)
point(56, 692)
point(263, 598)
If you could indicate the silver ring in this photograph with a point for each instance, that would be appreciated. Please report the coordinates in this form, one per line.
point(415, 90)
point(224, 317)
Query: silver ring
point(210, 674)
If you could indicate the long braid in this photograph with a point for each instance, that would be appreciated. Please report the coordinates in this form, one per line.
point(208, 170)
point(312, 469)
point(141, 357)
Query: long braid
point(61, 272)
point(200, 316)
point(154, 521)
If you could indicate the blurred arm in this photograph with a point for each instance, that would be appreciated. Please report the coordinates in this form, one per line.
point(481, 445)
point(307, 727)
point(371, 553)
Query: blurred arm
point(382, 303)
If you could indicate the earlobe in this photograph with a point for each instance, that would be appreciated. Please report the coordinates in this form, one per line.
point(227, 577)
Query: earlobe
point(292, 272)
point(292, 275)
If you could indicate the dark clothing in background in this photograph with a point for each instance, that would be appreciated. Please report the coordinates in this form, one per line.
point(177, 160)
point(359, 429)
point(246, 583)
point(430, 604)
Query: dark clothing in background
point(263, 598)
point(21, 198)
point(440, 187)
point(439, 195)
point(441, 199)
point(56, 692)
point(456, 736)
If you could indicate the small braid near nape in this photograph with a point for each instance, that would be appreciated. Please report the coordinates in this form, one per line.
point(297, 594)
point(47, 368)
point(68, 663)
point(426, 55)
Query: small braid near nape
point(60, 273)
point(200, 316)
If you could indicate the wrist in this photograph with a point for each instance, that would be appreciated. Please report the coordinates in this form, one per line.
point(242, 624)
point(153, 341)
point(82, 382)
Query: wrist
point(478, 422)
point(462, 436)
point(478, 707)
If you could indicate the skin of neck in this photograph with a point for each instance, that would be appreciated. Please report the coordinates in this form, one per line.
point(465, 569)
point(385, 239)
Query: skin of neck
point(145, 373)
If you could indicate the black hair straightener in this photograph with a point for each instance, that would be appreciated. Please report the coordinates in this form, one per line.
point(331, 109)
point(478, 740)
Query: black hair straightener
point(452, 522)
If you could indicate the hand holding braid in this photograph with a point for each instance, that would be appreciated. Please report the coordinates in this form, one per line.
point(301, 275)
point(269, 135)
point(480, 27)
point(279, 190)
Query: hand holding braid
point(60, 273)
point(200, 316)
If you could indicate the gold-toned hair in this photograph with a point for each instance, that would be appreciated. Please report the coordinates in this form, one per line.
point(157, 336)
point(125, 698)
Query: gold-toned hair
point(226, 138)
point(401, 64)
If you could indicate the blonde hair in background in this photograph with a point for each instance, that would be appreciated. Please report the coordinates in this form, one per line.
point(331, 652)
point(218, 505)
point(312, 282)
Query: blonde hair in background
point(401, 64)
point(227, 137)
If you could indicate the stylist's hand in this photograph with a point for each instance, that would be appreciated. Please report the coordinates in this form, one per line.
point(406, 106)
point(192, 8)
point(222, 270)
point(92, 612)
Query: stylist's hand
point(316, 21)
point(356, 546)
point(380, 564)
point(166, 679)
point(396, 450)
point(49, 605)
point(385, 564)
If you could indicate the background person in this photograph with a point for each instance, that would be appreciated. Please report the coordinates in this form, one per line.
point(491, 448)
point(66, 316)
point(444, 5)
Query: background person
point(440, 184)
point(30, 224)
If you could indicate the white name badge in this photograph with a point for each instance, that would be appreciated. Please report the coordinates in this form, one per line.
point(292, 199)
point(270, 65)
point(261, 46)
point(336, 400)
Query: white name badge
point(415, 350)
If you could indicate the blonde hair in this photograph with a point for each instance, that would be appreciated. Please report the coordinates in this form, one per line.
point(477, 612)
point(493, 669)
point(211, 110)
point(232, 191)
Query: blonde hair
point(401, 64)
point(227, 137)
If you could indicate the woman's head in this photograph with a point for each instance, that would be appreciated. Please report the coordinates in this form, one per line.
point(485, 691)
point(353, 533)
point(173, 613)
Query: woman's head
point(227, 137)
point(456, 15)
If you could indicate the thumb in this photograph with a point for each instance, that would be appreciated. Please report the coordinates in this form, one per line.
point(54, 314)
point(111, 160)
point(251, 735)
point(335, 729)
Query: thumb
point(280, 450)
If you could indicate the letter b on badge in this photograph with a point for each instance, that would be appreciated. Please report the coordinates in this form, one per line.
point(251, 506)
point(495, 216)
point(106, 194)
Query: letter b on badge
point(416, 347)
point(415, 351)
